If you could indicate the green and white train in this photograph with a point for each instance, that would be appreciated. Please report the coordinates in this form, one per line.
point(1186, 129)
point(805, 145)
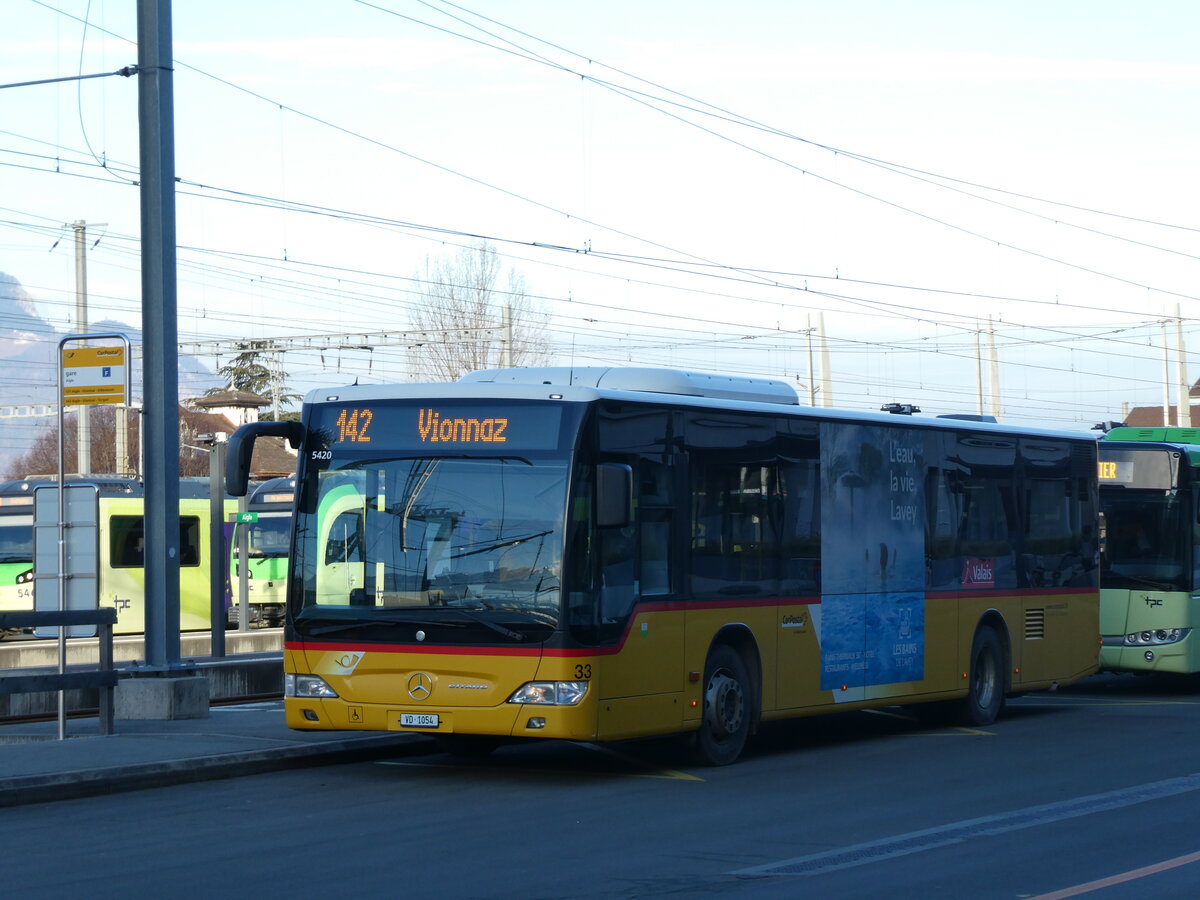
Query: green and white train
point(121, 548)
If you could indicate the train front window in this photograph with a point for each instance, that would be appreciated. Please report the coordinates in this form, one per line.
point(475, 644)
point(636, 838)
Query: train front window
point(16, 539)
point(268, 537)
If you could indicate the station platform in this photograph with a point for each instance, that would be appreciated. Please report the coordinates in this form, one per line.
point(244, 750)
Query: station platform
point(236, 740)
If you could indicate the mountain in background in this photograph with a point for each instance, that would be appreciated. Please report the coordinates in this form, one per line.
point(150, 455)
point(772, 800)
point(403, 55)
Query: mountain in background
point(27, 345)
point(29, 370)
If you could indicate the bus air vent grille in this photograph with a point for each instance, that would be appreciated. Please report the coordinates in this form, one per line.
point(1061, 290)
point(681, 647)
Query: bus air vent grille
point(1035, 624)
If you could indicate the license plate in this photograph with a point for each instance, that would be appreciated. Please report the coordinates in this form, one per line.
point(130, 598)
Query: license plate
point(418, 720)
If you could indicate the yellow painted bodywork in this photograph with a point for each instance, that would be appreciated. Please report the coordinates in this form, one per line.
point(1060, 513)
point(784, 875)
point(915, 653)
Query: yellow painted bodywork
point(651, 684)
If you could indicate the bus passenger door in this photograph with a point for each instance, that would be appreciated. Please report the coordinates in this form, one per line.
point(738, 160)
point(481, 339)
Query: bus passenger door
point(636, 587)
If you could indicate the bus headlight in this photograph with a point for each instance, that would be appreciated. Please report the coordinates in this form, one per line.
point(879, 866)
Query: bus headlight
point(306, 686)
point(1157, 636)
point(551, 693)
point(25, 577)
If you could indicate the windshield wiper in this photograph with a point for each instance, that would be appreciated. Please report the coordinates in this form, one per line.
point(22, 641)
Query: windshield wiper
point(340, 623)
point(495, 626)
point(501, 542)
point(535, 614)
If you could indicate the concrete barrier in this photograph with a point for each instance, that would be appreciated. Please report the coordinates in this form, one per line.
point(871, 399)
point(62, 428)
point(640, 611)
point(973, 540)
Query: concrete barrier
point(253, 668)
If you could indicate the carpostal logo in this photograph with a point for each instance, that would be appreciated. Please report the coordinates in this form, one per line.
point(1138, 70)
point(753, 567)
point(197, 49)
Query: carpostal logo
point(979, 573)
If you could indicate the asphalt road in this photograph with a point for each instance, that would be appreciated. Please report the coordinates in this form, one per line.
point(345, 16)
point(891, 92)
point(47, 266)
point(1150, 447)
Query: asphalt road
point(1090, 792)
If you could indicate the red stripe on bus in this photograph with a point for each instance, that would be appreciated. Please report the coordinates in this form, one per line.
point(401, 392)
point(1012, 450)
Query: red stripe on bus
point(651, 607)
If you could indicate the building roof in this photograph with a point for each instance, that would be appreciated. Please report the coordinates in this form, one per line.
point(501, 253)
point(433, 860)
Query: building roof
point(1152, 416)
point(231, 398)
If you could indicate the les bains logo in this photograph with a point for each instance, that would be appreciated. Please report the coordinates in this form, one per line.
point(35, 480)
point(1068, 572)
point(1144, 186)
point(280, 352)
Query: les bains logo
point(979, 573)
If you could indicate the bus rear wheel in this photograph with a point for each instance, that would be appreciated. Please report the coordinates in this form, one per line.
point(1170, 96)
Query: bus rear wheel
point(728, 708)
point(985, 695)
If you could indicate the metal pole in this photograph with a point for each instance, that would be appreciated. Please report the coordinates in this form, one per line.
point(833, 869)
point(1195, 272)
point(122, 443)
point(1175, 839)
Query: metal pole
point(507, 339)
point(812, 383)
point(1185, 398)
point(243, 557)
point(978, 373)
point(121, 440)
point(1166, 378)
point(218, 556)
point(993, 371)
point(160, 374)
point(826, 374)
point(62, 553)
point(83, 421)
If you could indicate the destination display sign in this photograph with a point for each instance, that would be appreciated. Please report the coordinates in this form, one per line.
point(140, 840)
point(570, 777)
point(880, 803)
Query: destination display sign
point(440, 427)
point(1151, 468)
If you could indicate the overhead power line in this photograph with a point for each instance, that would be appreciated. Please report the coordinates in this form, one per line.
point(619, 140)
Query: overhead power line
point(123, 72)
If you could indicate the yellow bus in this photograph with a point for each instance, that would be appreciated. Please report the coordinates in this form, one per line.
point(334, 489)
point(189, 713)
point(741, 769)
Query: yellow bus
point(603, 554)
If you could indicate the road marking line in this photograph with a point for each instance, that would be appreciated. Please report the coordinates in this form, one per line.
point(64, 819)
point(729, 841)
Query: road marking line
point(663, 774)
point(667, 774)
point(948, 731)
point(960, 832)
point(1132, 875)
point(1068, 700)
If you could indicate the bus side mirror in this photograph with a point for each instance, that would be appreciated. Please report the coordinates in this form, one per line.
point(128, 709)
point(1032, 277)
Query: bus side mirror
point(241, 448)
point(614, 495)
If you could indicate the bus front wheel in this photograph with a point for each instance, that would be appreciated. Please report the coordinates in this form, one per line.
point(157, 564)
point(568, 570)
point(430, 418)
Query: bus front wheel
point(985, 696)
point(728, 708)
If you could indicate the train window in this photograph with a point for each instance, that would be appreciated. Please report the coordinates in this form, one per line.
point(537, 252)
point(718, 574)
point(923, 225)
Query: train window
point(189, 541)
point(127, 541)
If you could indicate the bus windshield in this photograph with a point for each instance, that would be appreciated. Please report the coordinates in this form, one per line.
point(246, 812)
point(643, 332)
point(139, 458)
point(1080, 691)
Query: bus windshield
point(375, 537)
point(1147, 541)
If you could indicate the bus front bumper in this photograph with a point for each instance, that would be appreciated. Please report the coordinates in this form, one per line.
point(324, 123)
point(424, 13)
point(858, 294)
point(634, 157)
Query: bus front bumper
point(507, 720)
point(1175, 657)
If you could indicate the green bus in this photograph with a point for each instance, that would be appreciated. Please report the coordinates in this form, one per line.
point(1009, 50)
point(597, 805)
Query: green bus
point(1150, 560)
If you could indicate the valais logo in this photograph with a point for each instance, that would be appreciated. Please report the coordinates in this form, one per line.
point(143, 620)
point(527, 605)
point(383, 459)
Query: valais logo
point(979, 573)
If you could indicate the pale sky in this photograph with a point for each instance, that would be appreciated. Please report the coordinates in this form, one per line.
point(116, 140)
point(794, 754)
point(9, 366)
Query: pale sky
point(681, 184)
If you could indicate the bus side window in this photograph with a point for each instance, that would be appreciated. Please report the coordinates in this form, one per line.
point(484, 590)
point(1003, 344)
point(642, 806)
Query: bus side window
point(616, 572)
point(655, 505)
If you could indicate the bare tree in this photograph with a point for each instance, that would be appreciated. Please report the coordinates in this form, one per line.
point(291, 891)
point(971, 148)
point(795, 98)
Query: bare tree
point(42, 457)
point(474, 323)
